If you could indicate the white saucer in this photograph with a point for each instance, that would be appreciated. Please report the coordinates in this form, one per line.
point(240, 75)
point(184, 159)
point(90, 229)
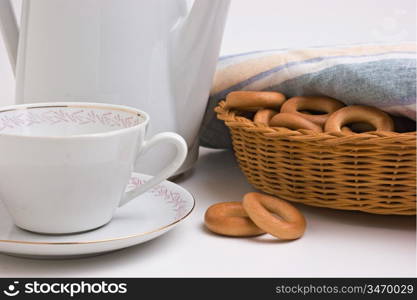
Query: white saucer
point(151, 215)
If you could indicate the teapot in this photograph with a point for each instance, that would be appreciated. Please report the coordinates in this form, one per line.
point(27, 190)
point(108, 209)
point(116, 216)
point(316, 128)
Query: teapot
point(158, 56)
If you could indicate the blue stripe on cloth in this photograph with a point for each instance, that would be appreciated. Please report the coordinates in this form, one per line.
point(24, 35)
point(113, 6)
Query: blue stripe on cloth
point(261, 75)
point(248, 53)
point(323, 47)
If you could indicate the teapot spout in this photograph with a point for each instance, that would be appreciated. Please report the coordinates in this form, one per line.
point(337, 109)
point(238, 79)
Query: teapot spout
point(206, 18)
point(199, 32)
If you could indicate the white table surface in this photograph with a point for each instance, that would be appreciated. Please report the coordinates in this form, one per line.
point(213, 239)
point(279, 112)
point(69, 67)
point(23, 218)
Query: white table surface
point(336, 243)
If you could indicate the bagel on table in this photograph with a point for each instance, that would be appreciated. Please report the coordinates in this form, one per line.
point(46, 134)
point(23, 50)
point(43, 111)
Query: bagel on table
point(290, 225)
point(255, 216)
point(230, 219)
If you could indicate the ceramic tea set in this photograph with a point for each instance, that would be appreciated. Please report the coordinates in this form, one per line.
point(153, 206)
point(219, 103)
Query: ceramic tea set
point(89, 78)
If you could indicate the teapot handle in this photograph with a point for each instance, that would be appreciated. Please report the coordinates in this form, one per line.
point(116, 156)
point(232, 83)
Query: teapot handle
point(9, 30)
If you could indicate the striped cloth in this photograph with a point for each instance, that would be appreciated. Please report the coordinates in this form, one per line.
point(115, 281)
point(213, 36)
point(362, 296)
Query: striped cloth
point(381, 75)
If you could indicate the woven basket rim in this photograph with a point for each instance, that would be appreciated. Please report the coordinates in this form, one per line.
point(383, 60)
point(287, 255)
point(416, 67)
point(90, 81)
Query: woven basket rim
point(231, 119)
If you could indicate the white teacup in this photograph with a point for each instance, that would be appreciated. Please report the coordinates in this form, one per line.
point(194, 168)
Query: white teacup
point(64, 166)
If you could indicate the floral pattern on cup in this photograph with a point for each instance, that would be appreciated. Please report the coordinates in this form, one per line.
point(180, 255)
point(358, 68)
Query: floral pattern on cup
point(56, 116)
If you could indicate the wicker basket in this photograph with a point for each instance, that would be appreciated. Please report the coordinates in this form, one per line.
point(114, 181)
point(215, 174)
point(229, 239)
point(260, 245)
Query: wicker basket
point(371, 172)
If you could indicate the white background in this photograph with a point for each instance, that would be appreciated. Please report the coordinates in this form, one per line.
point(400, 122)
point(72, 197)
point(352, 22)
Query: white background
point(336, 243)
point(275, 24)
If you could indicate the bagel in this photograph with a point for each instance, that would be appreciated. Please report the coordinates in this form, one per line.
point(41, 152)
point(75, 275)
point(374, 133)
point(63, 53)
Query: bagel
point(253, 101)
point(293, 121)
point(380, 120)
point(263, 116)
point(298, 104)
point(230, 219)
point(290, 225)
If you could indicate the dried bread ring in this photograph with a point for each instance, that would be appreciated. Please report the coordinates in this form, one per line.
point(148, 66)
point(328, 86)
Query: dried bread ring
point(380, 120)
point(253, 101)
point(323, 104)
point(291, 224)
point(293, 121)
point(263, 116)
point(229, 218)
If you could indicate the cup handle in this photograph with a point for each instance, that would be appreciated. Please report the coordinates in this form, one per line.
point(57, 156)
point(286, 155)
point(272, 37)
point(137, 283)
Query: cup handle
point(181, 147)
